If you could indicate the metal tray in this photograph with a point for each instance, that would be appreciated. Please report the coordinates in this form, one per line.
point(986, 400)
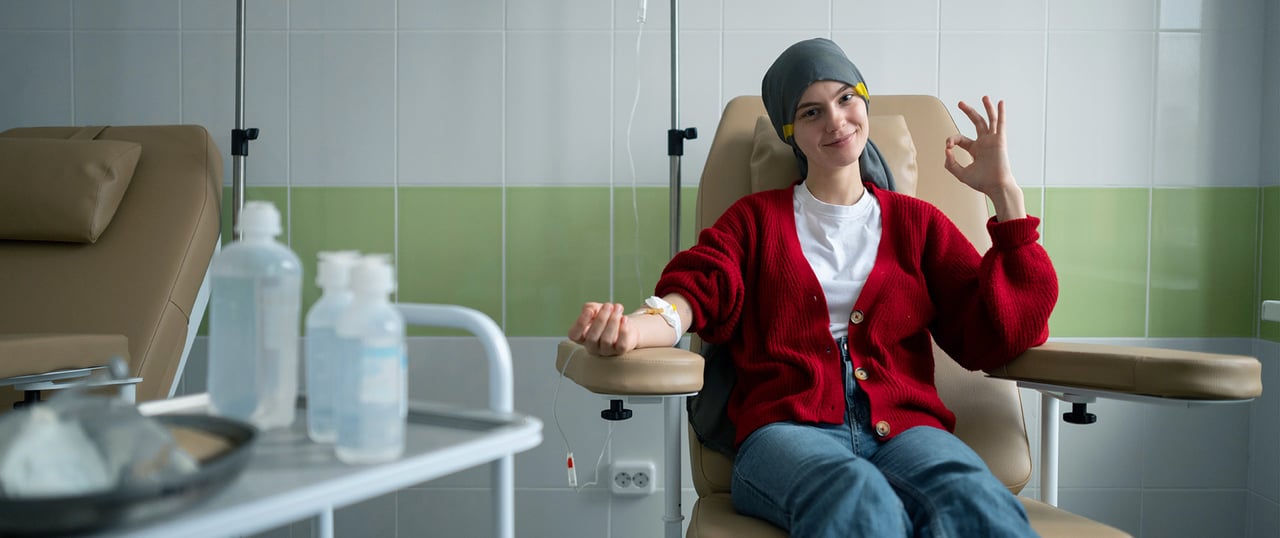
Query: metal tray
point(222, 446)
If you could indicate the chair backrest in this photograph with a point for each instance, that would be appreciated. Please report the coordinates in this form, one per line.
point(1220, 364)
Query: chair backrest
point(141, 276)
point(910, 130)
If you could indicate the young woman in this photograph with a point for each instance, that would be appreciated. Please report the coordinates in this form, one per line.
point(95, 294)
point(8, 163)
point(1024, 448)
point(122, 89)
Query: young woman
point(826, 294)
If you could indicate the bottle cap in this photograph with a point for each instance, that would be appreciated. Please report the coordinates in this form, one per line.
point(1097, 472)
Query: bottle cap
point(334, 268)
point(260, 218)
point(372, 275)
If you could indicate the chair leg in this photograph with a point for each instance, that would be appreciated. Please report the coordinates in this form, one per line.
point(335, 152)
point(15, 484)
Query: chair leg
point(672, 517)
point(1048, 449)
point(29, 397)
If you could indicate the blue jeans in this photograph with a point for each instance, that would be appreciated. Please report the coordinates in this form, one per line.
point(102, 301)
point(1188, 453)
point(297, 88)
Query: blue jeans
point(836, 481)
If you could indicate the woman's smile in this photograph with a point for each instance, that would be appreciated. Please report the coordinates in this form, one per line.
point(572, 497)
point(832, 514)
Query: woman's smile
point(842, 141)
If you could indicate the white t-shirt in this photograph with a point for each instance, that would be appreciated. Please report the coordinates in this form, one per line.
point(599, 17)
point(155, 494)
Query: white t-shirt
point(840, 242)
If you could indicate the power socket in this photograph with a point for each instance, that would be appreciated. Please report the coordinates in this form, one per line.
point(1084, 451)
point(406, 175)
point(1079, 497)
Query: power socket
point(632, 478)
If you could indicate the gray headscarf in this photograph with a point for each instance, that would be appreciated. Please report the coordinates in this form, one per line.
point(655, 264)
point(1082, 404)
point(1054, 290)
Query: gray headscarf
point(795, 69)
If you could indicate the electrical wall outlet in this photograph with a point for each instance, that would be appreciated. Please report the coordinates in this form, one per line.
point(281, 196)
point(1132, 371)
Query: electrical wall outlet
point(634, 478)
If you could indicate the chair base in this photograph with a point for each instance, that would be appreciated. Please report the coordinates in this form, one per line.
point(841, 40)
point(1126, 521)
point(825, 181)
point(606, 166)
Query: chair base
point(714, 517)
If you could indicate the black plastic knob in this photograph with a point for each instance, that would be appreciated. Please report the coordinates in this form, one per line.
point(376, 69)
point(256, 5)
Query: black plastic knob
point(615, 411)
point(1079, 415)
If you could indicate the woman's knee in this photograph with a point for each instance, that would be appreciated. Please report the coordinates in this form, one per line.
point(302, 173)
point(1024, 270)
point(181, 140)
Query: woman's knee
point(826, 498)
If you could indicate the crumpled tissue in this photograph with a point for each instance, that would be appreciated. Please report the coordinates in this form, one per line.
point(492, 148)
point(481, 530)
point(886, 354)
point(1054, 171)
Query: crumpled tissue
point(84, 444)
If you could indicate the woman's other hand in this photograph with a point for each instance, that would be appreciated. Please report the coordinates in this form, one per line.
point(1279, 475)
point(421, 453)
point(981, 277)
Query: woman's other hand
point(989, 173)
point(603, 329)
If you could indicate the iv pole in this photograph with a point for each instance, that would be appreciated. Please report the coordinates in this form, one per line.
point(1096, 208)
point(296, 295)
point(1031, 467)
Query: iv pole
point(240, 136)
point(676, 136)
point(671, 404)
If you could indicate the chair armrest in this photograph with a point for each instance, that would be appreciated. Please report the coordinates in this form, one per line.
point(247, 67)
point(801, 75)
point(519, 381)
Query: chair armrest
point(1164, 373)
point(648, 372)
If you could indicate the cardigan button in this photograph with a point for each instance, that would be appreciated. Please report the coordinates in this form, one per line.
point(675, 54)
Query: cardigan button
point(882, 428)
point(860, 373)
point(856, 317)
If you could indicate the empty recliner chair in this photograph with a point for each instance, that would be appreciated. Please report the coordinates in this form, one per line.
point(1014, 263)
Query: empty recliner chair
point(106, 234)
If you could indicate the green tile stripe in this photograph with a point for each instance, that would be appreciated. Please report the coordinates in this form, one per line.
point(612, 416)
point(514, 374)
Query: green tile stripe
point(1097, 239)
point(339, 218)
point(653, 249)
point(1269, 250)
point(1204, 262)
point(451, 250)
point(1206, 268)
point(557, 256)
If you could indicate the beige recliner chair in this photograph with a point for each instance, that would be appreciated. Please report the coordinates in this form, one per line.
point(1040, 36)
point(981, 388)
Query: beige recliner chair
point(105, 238)
point(746, 156)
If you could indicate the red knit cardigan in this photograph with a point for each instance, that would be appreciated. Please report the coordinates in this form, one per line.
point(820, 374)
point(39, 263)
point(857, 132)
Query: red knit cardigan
point(750, 287)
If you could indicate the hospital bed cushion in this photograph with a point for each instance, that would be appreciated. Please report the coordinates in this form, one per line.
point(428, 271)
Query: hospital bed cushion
point(62, 189)
point(26, 354)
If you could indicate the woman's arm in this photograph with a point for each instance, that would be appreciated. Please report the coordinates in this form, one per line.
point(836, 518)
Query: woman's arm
point(703, 283)
point(989, 173)
point(992, 309)
point(604, 330)
point(989, 309)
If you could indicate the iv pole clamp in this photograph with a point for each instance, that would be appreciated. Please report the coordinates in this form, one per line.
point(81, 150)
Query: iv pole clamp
point(240, 140)
point(676, 138)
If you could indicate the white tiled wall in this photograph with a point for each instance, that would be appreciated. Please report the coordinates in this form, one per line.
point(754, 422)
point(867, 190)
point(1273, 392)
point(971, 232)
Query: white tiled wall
point(456, 145)
point(1271, 97)
point(342, 107)
point(1264, 448)
point(525, 92)
point(1263, 505)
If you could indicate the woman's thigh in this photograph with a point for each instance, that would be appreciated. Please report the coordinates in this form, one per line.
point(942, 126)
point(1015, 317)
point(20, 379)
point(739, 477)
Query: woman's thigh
point(806, 479)
point(947, 488)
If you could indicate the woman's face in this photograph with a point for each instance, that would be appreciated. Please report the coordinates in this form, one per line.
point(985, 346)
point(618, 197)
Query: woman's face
point(831, 125)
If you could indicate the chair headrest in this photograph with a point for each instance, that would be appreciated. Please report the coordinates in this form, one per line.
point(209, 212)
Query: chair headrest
point(62, 189)
point(773, 163)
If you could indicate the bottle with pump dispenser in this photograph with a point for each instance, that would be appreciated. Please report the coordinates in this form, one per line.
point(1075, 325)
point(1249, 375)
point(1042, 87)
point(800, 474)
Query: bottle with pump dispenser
point(373, 394)
point(254, 305)
point(321, 355)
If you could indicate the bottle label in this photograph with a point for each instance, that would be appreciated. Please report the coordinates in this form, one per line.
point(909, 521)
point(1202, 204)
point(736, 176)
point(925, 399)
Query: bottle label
point(382, 379)
point(279, 309)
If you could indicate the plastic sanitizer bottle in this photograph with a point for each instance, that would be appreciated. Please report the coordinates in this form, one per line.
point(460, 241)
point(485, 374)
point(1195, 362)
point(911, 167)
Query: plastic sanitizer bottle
point(321, 352)
point(253, 323)
point(373, 394)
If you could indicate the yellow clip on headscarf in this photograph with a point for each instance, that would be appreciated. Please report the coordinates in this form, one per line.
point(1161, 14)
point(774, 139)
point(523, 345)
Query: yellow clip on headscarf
point(861, 90)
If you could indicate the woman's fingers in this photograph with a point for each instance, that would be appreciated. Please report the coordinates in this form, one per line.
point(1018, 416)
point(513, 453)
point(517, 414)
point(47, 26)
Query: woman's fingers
point(609, 337)
point(578, 331)
point(596, 327)
point(959, 140)
point(1000, 118)
point(979, 122)
point(991, 113)
point(600, 335)
point(951, 164)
